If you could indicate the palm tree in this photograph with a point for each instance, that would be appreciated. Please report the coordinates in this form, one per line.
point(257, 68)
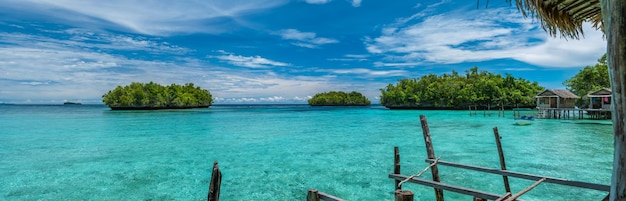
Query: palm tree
point(566, 17)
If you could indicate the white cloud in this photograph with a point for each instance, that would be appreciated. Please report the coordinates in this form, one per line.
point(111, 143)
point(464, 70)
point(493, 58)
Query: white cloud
point(317, 1)
point(372, 73)
point(153, 17)
point(356, 3)
point(483, 35)
point(305, 39)
point(249, 62)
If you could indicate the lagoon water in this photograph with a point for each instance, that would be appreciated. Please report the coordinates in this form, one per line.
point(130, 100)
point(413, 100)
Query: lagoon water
point(89, 152)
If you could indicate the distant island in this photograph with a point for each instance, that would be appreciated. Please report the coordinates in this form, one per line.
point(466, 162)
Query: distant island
point(339, 98)
point(454, 91)
point(71, 103)
point(152, 96)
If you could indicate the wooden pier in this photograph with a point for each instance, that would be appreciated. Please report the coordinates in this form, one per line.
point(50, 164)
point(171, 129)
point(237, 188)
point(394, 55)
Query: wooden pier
point(477, 194)
point(438, 186)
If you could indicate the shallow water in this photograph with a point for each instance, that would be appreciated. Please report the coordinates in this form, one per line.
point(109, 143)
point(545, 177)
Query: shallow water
point(89, 152)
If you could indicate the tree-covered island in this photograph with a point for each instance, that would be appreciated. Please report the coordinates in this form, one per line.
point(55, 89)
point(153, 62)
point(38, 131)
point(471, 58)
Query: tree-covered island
point(455, 91)
point(152, 96)
point(339, 98)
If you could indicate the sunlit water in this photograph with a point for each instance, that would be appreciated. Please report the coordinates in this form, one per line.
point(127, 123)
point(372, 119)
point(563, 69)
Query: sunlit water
point(278, 152)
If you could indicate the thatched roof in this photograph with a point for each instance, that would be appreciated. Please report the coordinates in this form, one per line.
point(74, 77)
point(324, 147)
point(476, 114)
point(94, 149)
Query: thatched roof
point(553, 93)
point(564, 17)
point(604, 92)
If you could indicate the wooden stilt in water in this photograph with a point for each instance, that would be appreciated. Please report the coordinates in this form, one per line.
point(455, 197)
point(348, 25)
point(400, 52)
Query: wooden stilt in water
point(396, 165)
point(479, 199)
point(507, 187)
point(214, 186)
point(313, 195)
point(403, 195)
point(431, 155)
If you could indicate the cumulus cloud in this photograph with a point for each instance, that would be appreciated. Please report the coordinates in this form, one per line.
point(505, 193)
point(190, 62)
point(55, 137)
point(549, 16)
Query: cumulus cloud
point(474, 36)
point(305, 39)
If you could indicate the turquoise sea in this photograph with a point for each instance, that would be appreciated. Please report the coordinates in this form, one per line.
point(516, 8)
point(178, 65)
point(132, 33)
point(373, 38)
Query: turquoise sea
point(277, 152)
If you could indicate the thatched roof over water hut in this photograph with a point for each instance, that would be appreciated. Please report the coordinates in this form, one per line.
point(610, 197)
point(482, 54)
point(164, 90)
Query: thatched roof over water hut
point(604, 92)
point(557, 93)
point(564, 17)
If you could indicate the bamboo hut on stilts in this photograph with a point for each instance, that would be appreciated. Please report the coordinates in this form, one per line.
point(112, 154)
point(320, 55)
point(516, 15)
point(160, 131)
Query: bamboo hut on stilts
point(566, 17)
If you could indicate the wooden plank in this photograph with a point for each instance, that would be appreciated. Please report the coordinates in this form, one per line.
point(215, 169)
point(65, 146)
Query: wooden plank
point(507, 187)
point(614, 20)
point(447, 187)
point(396, 165)
point(328, 197)
point(553, 180)
point(505, 196)
point(431, 155)
point(525, 190)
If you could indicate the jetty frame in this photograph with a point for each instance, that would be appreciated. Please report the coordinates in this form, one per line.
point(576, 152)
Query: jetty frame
point(439, 187)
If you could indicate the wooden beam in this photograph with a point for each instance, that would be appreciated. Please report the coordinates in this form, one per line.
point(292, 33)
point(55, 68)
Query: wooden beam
point(431, 155)
point(525, 190)
point(447, 187)
point(507, 187)
point(552, 180)
point(614, 20)
point(329, 197)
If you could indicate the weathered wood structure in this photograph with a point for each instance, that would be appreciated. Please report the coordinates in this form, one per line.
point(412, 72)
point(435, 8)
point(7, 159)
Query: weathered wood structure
point(477, 194)
point(600, 99)
point(566, 17)
point(557, 104)
point(214, 185)
point(600, 104)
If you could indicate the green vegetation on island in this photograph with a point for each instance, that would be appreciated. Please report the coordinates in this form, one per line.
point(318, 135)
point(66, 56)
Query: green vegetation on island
point(589, 79)
point(140, 96)
point(455, 91)
point(339, 98)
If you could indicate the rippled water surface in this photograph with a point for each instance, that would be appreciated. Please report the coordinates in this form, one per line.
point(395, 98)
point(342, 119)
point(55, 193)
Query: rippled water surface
point(89, 152)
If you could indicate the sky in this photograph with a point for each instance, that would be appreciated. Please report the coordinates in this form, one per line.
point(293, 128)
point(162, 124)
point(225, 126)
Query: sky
point(270, 51)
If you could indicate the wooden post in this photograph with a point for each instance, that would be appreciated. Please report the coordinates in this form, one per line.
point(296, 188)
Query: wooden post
point(479, 199)
point(431, 155)
point(313, 195)
point(396, 165)
point(614, 20)
point(507, 188)
point(216, 181)
point(403, 195)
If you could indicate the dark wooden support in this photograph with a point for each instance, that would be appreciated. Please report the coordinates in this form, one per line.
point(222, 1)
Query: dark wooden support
point(431, 155)
point(614, 20)
point(214, 186)
point(403, 195)
point(507, 187)
point(479, 199)
point(313, 195)
point(396, 165)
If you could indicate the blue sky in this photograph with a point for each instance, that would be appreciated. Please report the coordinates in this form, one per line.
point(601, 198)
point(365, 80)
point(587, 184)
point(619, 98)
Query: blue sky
point(269, 51)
